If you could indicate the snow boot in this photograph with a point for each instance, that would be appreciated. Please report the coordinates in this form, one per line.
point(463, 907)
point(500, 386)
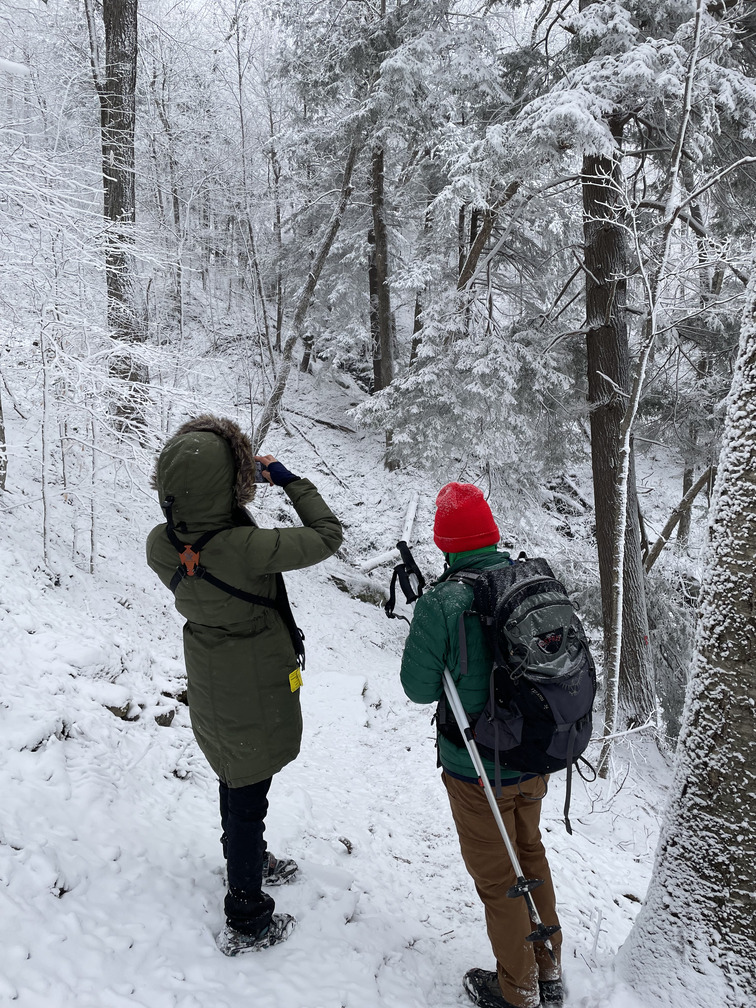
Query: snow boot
point(552, 993)
point(277, 871)
point(483, 989)
point(232, 942)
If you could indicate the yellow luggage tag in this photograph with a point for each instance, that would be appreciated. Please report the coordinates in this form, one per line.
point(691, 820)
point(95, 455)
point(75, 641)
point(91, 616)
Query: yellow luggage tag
point(295, 680)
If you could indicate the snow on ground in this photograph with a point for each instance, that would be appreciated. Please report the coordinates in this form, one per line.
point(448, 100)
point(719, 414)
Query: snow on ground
point(110, 867)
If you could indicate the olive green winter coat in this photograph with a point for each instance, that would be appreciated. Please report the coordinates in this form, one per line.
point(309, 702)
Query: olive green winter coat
point(243, 699)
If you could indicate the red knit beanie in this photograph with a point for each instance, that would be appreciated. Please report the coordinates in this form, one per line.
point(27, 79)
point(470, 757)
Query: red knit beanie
point(463, 519)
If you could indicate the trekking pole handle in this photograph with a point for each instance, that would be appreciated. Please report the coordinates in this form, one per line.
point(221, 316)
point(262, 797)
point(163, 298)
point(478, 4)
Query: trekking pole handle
point(405, 553)
point(410, 565)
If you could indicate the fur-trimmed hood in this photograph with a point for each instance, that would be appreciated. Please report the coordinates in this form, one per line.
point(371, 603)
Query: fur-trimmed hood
point(208, 467)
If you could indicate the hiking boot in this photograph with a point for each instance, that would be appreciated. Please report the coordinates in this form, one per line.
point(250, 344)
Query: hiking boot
point(277, 871)
point(483, 989)
point(232, 942)
point(552, 993)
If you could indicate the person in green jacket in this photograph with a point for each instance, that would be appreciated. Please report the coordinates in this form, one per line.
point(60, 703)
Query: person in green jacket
point(243, 658)
point(526, 976)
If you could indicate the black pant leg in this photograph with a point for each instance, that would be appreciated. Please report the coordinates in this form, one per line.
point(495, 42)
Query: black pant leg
point(247, 908)
point(223, 800)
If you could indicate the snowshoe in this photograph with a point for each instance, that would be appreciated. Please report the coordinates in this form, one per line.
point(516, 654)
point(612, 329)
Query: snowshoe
point(277, 871)
point(483, 989)
point(232, 942)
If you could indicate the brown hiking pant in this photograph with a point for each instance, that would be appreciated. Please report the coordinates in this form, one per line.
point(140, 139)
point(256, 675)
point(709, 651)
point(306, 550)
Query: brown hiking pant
point(520, 963)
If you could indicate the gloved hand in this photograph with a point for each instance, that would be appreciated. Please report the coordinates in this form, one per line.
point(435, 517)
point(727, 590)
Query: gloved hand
point(275, 472)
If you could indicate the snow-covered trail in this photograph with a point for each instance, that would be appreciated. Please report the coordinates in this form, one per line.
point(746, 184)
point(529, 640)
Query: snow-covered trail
point(110, 861)
point(111, 879)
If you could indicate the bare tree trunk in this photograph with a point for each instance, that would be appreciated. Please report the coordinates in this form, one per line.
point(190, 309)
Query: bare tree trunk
point(683, 526)
point(417, 317)
point(118, 110)
point(417, 328)
point(682, 510)
point(461, 240)
point(381, 328)
point(115, 82)
point(277, 231)
point(696, 926)
point(608, 362)
point(162, 108)
point(304, 297)
point(381, 319)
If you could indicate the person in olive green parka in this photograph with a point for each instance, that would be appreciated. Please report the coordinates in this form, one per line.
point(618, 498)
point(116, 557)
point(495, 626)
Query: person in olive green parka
point(243, 675)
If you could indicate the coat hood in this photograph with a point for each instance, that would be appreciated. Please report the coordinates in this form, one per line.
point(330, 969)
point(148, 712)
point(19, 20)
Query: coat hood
point(208, 467)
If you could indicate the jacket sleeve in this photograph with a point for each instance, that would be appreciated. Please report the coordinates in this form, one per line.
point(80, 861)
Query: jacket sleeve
point(426, 651)
point(273, 551)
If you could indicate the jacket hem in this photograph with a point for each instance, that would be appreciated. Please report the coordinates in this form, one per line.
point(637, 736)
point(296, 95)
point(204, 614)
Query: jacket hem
point(258, 775)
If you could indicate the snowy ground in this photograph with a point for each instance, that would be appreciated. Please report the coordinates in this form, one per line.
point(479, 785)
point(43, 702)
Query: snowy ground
point(110, 866)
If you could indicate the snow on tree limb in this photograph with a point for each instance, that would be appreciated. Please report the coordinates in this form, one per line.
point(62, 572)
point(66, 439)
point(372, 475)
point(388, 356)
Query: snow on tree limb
point(14, 69)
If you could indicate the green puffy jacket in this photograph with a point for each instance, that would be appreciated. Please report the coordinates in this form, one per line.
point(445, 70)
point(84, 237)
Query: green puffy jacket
point(244, 707)
point(433, 644)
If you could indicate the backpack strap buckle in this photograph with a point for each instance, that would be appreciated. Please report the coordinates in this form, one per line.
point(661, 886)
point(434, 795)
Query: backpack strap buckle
point(190, 565)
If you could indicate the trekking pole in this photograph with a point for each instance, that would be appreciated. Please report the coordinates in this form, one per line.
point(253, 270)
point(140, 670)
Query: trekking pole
point(523, 886)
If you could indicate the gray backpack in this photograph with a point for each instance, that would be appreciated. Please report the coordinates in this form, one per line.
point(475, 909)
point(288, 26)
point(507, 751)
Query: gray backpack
point(538, 716)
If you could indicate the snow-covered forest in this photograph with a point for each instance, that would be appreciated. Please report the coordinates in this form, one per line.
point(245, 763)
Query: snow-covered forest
point(495, 241)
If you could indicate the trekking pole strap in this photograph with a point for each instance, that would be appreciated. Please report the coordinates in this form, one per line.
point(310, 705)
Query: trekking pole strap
point(391, 602)
point(568, 785)
point(410, 570)
point(403, 573)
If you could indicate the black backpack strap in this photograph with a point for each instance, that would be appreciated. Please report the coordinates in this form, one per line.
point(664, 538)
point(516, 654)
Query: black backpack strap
point(497, 755)
point(462, 638)
point(189, 556)
point(280, 603)
point(191, 567)
point(568, 786)
point(284, 611)
point(576, 764)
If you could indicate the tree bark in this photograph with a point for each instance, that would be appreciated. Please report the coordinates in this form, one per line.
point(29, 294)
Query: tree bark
point(381, 325)
point(417, 329)
point(608, 364)
point(115, 83)
point(117, 123)
point(683, 526)
point(696, 926)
